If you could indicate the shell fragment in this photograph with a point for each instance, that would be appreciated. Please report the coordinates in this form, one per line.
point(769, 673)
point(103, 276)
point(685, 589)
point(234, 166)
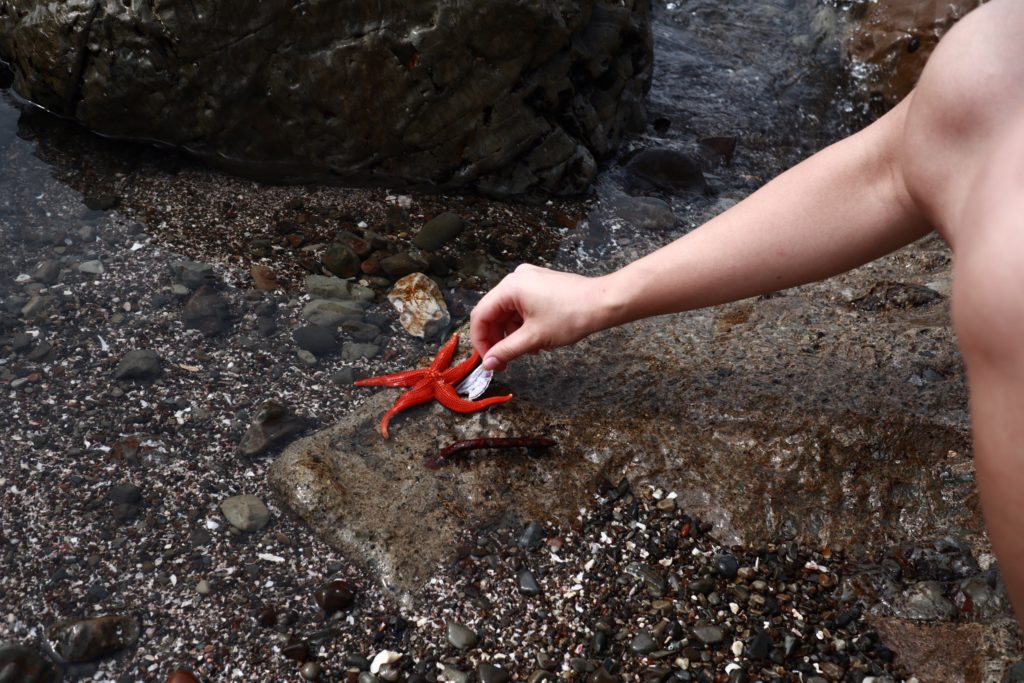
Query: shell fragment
point(475, 383)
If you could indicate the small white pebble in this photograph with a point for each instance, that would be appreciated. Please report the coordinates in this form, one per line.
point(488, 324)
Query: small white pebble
point(734, 608)
point(270, 558)
point(737, 647)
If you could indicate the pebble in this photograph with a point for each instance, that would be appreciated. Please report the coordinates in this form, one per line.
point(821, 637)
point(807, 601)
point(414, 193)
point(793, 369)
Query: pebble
point(489, 673)
point(402, 265)
point(709, 634)
point(124, 493)
point(297, 652)
point(382, 658)
point(460, 636)
point(422, 311)
point(643, 213)
point(272, 424)
point(317, 339)
point(40, 351)
point(331, 313)
point(306, 358)
point(20, 664)
point(47, 272)
point(643, 643)
point(264, 278)
point(340, 260)
point(140, 364)
point(311, 671)
point(360, 331)
point(668, 169)
point(207, 311)
point(726, 566)
point(245, 512)
point(94, 267)
point(334, 596)
point(532, 537)
point(453, 675)
point(924, 601)
point(337, 289)
point(527, 583)
point(204, 587)
point(438, 231)
point(354, 351)
point(193, 274)
point(182, 676)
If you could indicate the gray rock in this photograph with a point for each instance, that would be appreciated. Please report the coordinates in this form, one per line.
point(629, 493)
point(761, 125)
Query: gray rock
point(142, 364)
point(499, 94)
point(654, 581)
point(46, 272)
point(460, 636)
point(667, 169)
point(36, 306)
point(306, 358)
point(208, 312)
point(125, 493)
point(245, 512)
point(339, 289)
point(644, 213)
point(89, 639)
point(340, 260)
point(351, 351)
point(273, 424)
point(360, 331)
point(438, 231)
point(709, 634)
point(193, 274)
point(452, 675)
point(94, 267)
point(317, 339)
point(40, 351)
point(488, 673)
point(420, 305)
point(527, 583)
point(642, 644)
point(924, 601)
point(403, 264)
point(332, 313)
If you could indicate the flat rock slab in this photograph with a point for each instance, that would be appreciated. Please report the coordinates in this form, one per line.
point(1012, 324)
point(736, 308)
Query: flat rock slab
point(797, 416)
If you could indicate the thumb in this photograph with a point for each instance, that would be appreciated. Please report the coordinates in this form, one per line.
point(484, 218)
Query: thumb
point(508, 349)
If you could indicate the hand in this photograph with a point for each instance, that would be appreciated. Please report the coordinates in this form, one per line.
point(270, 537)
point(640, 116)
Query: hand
point(535, 309)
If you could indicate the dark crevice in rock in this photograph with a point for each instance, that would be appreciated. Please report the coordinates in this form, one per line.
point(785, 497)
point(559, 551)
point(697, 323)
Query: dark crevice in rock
point(84, 54)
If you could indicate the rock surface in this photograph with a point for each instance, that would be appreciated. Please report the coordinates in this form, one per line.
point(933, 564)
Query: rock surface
point(505, 96)
point(89, 639)
point(420, 305)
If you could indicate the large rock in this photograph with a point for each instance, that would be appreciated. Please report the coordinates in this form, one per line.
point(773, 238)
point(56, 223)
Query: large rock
point(505, 95)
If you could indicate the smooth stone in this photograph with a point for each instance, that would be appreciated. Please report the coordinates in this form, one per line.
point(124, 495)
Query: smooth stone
point(668, 169)
point(88, 639)
point(334, 596)
point(344, 377)
point(352, 351)
point(532, 536)
point(207, 311)
point(643, 644)
point(367, 677)
point(141, 364)
point(204, 587)
point(306, 358)
point(340, 260)
point(46, 272)
point(360, 331)
point(760, 646)
point(452, 675)
point(382, 658)
point(422, 311)
point(39, 352)
point(438, 231)
point(653, 580)
point(337, 289)
point(264, 278)
point(311, 671)
point(643, 213)
point(602, 675)
point(709, 634)
point(400, 265)
point(245, 512)
point(272, 424)
point(317, 339)
point(36, 305)
point(182, 676)
point(20, 664)
point(488, 673)
point(193, 274)
point(527, 583)
point(94, 267)
point(125, 493)
point(460, 636)
point(331, 313)
point(727, 566)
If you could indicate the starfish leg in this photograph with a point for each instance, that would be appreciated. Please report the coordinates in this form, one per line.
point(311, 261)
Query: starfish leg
point(449, 399)
point(444, 357)
point(415, 396)
point(406, 378)
point(457, 373)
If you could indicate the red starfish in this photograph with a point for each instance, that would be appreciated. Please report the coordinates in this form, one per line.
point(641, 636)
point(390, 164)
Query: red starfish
point(435, 381)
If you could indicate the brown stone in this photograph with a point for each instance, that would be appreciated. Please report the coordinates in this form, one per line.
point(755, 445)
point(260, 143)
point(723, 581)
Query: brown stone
point(264, 278)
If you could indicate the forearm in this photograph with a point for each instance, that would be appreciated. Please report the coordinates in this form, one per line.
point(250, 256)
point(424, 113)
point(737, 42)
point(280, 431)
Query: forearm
point(842, 207)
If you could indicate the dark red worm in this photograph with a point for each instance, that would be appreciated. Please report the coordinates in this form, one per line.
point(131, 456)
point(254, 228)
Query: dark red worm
point(441, 459)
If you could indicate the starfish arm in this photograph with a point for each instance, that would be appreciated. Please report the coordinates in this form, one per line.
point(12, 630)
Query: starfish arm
point(449, 399)
point(457, 373)
point(418, 394)
point(444, 357)
point(406, 378)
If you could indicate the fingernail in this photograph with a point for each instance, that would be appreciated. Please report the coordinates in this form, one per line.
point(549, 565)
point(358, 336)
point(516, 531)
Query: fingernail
point(490, 363)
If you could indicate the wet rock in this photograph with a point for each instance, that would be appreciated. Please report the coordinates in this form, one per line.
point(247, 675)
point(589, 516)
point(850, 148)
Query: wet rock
point(89, 639)
point(899, 295)
point(332, 313)
point(460, 636)
point(643, 213)
point(182, 676)
point(978, 600)
point(653, 580)
point(360, 331)
point(272, 425)
point(340, 260)
point(297, 652)
point(353, 351)
point(311, 671)
point(125, 493)
point(709, 634)
point(726, 566)
point(489, 673)
point(667, 169)
point(527, 583)
point(499, 95)
point(207, 311)
point(924, 601)
point(382, 659)
point(141, 364)
point(438, 231)
point(245, 512)
point(24, 665)
point(47, 272)
point(94, 267)
point(317, 339)
point(420, 305)
point(400, 265)
point(532, 537)
point(334, 596)
point(642, 644)
point(39, 352)
point(193, 274)
point(336, 288)
point(264, 278)
point(895, 39)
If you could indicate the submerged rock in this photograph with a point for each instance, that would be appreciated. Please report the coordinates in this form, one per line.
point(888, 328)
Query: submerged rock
point(503, 95)
point(272, 424)
point(25, 665)
point(89, 639)
point(420, 305)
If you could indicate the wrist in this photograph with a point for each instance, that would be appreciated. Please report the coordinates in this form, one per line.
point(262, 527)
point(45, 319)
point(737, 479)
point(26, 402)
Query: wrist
point(610, 302)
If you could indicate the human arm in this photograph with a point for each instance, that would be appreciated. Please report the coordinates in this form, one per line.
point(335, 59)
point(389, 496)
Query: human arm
point(842, 207)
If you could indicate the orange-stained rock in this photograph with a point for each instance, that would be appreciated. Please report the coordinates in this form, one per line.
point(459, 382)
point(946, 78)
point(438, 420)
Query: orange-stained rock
point(896, 37)
point(264, 278)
